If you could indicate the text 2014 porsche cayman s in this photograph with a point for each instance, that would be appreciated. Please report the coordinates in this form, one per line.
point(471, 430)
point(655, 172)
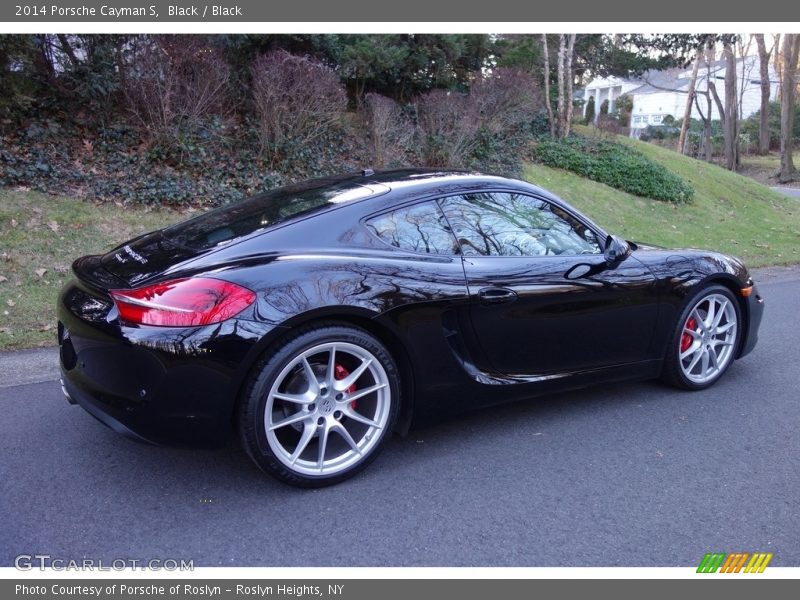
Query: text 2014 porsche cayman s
point(318, 318)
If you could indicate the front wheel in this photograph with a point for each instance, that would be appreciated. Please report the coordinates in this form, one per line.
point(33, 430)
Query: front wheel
point(320, 408)
point(705, 339)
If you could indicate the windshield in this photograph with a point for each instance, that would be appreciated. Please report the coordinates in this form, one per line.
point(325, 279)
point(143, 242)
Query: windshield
point(224, 225)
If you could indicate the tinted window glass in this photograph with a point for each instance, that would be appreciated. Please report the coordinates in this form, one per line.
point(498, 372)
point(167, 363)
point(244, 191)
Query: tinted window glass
point(224, 225)
point(419, 228)
point(505, 224)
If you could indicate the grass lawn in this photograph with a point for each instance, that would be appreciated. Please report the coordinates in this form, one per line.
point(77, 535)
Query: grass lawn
point(40, 236)
point(729, 212)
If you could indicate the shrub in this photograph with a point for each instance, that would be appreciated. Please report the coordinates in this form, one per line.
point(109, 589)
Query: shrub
point(173, 88)
point(390, 130)
point(488, 129)
point(507, 100)
point(616, 165)
point(447, 124)
point(297, 100)
point(623, 107)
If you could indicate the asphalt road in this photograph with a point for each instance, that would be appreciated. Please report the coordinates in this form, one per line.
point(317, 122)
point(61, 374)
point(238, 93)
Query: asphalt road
point(632, 474)
point(793, 192)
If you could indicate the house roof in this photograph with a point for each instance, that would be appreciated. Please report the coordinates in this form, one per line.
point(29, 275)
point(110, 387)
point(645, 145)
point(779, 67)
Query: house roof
point(662, 81)
point(676, 79)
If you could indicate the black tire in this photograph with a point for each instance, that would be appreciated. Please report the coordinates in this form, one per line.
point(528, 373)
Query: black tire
point(701, 340)
point(268, 442)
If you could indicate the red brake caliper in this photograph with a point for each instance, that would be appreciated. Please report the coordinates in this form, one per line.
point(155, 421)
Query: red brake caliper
point(686, 339)
point(340, 373)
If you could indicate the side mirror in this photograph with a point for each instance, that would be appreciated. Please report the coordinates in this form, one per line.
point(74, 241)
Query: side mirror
point(616, 249)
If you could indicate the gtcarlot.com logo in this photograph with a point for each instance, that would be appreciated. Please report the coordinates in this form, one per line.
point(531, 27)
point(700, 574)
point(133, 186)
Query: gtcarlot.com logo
point(736, 562)
point(28, 562)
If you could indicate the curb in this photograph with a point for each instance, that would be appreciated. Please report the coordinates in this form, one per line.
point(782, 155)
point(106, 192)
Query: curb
point(24, 367)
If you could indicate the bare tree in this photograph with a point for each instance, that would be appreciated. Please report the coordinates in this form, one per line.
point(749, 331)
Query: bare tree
point(729, 112)
point(297, 100)
point(447, 124)
point(777, 61)
point(791, 53)
point(687, 111)
point(569, 80)
point(562, 54)
point(173, 84)
point(550, 118)
point(763, 125)
point(566, 49)
point(746, 73)
point(731, 122)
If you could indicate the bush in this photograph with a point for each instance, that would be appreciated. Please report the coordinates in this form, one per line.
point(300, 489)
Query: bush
point(176, 88)
point(487, 129)
point(623, 107)
point(390, 131)
point(507, 100)
point(660, 132)
point(297, 100)
point(447, 124)
point(615, 165)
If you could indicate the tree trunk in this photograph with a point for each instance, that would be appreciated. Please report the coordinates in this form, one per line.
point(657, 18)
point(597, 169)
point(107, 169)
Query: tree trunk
point(687, 111)
point(66, 47)
point(791, 50)
point(763, 124)
point(707, 142)
point(568, 69)
point(731, 123)
point(777, 61)
point(562, 55)
point(548, 103)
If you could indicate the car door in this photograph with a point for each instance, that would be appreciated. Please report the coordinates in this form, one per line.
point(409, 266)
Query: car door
point(543, 299)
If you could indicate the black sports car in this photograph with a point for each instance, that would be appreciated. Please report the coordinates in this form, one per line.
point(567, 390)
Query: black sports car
point(317, 318)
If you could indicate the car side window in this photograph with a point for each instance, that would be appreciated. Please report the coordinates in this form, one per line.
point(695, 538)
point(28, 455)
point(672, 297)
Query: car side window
point(418, 228)
point(510, 224)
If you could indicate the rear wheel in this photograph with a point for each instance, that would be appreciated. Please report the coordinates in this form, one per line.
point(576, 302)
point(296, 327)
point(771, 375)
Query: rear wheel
point(319, 409)
point(705, 339)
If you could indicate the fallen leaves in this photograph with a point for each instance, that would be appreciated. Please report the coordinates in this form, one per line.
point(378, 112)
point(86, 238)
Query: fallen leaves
point(40, 272)
point(53, 225)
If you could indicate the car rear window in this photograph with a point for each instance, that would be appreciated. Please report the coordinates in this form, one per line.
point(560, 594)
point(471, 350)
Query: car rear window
point(229, 223)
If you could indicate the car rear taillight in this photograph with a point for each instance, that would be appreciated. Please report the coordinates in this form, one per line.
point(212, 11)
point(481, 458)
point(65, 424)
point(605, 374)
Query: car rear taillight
point(182, 302)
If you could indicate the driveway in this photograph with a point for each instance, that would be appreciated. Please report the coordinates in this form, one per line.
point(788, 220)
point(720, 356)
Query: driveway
point(633, 474)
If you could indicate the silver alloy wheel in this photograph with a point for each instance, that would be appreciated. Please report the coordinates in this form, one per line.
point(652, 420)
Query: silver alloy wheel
point(706, 344)
point(333, 388)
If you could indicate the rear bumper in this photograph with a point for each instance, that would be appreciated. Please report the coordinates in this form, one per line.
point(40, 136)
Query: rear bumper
point(75, 396)
point(156, 384)
point(755, 312)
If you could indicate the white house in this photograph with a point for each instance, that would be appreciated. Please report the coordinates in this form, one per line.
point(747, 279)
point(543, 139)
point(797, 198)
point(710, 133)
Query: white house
point(660, 93)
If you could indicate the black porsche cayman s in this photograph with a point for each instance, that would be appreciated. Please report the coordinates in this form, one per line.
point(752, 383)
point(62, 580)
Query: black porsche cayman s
point(318, 318)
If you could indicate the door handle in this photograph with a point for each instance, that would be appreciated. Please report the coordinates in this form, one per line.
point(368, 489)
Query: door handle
point(496, 295)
